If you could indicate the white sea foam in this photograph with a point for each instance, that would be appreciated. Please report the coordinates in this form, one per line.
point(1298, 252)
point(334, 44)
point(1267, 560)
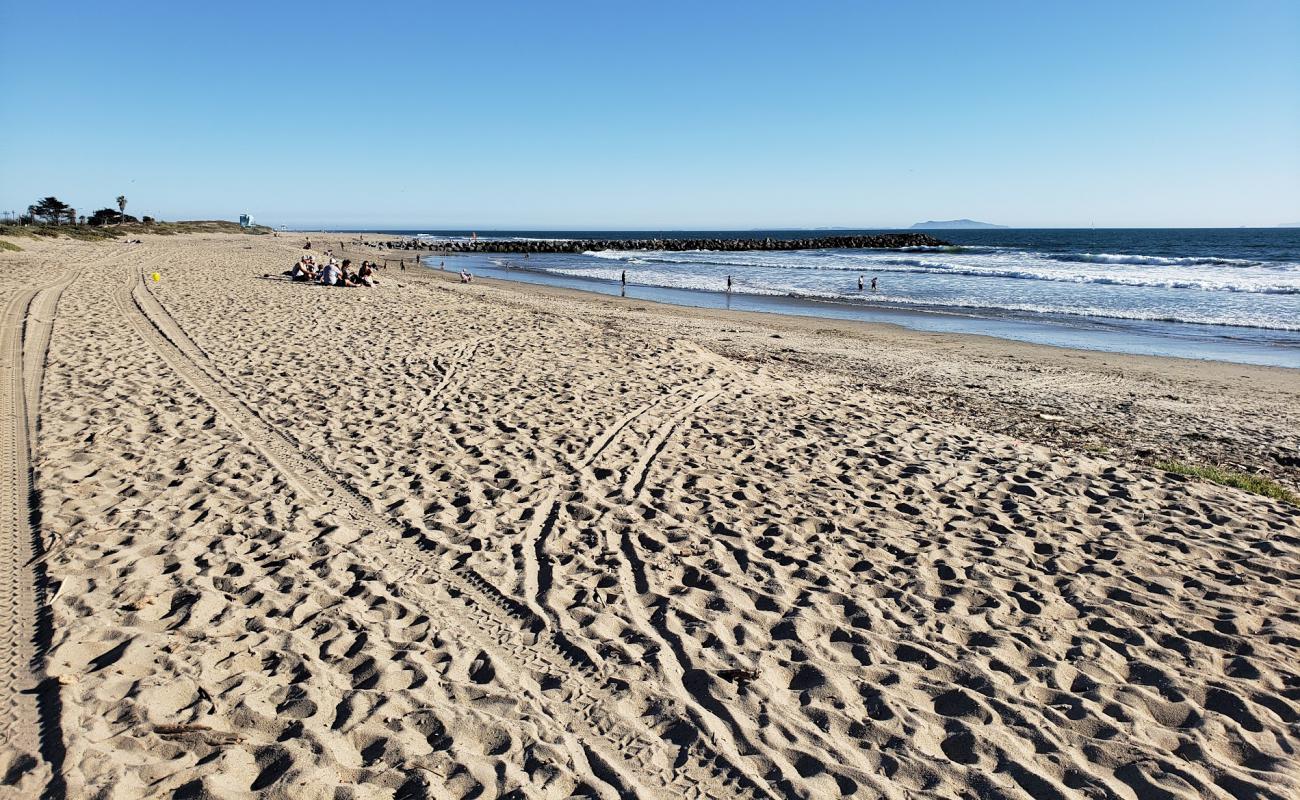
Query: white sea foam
point(1269, 283)
point(713, 282)
point(1210, 288)
point(1217, 320)
point(1197, 274)
point(1156, 261)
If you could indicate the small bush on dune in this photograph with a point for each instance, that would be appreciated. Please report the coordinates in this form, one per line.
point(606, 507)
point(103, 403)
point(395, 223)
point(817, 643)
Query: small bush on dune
point(99, 232)
point(1255, 484)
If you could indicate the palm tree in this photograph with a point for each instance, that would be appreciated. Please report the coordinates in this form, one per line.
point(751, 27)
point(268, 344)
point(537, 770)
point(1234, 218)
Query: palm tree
point(121, 206)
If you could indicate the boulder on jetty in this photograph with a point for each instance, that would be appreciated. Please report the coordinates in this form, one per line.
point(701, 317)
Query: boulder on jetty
point(882, 240)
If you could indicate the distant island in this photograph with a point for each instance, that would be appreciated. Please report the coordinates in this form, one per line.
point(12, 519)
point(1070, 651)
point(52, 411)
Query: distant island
point(952, 224)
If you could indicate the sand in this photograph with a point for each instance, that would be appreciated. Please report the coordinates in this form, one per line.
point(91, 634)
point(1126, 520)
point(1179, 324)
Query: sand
point(433, 540)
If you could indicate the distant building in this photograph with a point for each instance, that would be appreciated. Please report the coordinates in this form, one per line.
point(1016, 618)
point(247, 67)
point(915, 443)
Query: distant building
point(245, 220)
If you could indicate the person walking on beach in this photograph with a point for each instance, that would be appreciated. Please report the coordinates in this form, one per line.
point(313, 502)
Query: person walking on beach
point(728, 284)
point(622, 284)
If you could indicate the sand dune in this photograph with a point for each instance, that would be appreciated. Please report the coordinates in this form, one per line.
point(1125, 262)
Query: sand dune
point(433, 540)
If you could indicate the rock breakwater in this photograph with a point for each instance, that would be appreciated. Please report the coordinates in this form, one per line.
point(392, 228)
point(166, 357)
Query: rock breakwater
point(880, 241)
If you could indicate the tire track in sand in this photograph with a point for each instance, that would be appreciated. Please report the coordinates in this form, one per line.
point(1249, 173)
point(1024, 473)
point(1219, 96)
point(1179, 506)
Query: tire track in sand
point(727, 736)
point(461, 356)
point(29, 707)
point(640, 471)
point(633, 757)
point(708, 715)
point(537, 573)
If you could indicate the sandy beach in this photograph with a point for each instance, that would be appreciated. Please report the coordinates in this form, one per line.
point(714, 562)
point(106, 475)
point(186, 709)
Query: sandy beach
point(265, 539)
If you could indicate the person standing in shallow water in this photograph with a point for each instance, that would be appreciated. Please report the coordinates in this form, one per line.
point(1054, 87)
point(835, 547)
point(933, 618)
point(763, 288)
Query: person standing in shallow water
point(622, 284)
point(859, 283)
point(728, 284)
point(873, 284)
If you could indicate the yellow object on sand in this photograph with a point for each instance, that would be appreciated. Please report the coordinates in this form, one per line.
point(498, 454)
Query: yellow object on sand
point(156, 277)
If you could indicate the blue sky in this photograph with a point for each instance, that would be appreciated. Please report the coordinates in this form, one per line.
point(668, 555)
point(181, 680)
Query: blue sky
point(657, 115)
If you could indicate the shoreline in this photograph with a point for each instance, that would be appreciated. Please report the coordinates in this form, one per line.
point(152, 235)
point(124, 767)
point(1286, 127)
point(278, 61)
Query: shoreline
point(1269, 376)
point(1082, 334)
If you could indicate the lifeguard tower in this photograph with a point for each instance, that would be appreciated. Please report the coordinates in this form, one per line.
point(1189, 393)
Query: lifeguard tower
point(245, 220)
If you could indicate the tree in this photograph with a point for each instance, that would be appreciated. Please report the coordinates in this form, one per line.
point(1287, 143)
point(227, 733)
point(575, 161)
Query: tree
point(51, 209)
point(121, 206)
point(109, 216)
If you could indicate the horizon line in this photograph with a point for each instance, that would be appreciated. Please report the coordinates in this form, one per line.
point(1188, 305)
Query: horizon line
point(351, 228)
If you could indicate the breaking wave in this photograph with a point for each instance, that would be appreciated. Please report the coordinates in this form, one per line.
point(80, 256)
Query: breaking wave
point(1156, 261)
point(1199, 274)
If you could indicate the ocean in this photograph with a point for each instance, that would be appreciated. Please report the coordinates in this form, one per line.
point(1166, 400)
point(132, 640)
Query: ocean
point(1225, 294)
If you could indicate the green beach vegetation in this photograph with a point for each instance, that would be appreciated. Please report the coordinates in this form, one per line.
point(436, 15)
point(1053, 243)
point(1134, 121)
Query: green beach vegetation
point(50, 216)
point(1255, 484)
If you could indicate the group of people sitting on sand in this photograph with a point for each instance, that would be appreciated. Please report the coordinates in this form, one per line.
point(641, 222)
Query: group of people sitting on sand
point(333, 273)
